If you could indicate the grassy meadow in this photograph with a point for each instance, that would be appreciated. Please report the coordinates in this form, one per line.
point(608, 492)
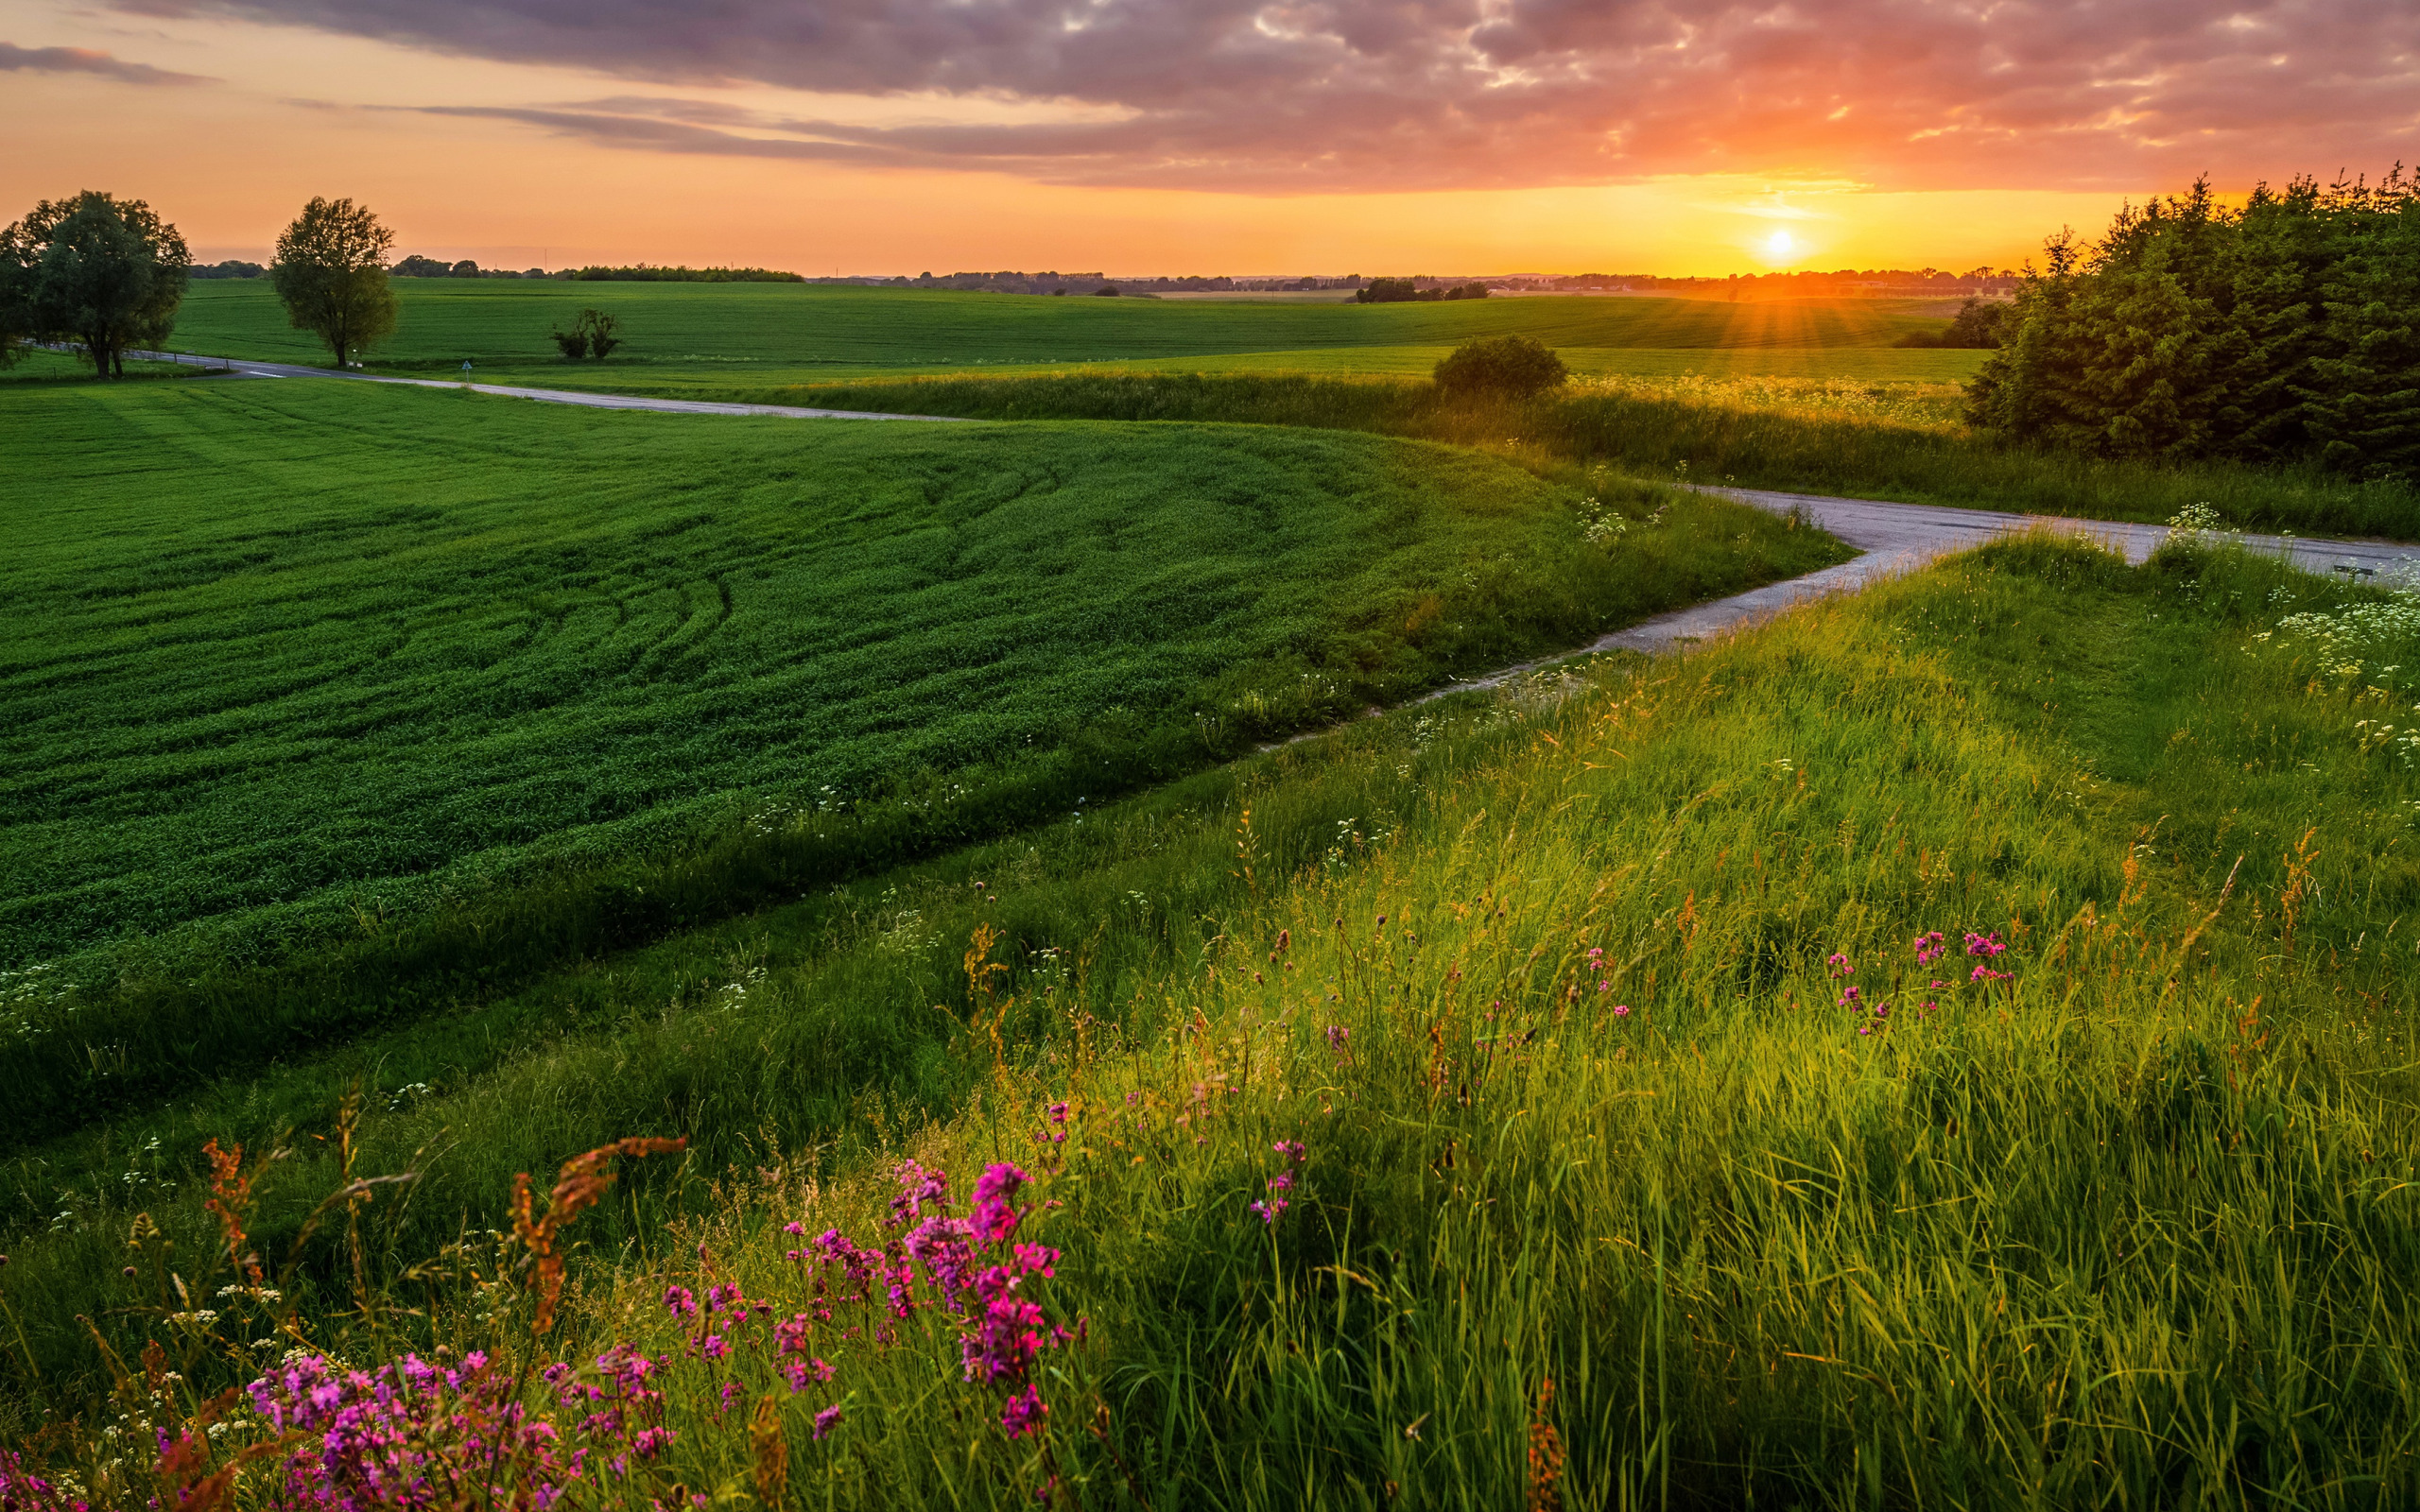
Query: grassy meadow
point(1947, 1047)
point(337, 707)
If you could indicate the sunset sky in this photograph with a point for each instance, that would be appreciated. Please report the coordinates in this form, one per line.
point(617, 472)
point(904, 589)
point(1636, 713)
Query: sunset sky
point(1212, 136)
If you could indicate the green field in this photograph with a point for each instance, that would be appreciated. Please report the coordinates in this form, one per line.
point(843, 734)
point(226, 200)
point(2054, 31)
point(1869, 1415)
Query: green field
point(302, 664)
point(1547, 1097)
point(1892, 366)
point(757, 332)
point(1551, 988)
point(1808, 395)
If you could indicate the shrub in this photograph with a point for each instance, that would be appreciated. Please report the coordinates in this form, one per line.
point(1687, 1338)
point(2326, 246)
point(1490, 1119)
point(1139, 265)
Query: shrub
point(601, 327)
point(591, 336)
point(1500, 368)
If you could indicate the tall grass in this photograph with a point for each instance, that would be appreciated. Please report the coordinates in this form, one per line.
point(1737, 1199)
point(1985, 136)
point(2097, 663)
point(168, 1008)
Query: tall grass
point(2132, 1225)
point(1754, 432)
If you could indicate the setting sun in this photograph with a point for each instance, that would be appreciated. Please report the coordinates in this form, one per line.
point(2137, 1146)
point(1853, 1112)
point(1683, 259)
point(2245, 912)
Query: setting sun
point(1780, 246)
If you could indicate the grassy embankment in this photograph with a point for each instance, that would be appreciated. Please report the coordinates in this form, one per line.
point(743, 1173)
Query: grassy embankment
point(1550, 994)
point(358, 729)
point(1799, 395)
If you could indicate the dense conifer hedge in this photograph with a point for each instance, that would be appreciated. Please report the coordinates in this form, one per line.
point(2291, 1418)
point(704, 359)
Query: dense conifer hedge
point(2286, 331)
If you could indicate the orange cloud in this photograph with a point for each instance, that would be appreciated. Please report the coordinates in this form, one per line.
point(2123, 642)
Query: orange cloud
point(1295, 96)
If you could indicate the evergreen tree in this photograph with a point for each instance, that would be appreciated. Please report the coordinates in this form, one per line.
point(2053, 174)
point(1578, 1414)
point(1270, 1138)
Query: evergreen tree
point(2287, 330)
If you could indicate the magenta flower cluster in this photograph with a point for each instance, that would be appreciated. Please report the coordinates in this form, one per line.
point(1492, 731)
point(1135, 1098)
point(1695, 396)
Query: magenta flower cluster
point(1276, 1201)
point(413, 1434)
point(1990, 949)
point(22, 1490)
point(1929, 947)
point(973, 1266)
point(1596, 968)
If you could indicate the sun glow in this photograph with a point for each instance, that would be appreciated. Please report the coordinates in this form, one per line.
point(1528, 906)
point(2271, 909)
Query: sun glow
point(1780, 246)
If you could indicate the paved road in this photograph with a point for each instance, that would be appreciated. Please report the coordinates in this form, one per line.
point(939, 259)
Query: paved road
point(1898, 538)
point(550, 396)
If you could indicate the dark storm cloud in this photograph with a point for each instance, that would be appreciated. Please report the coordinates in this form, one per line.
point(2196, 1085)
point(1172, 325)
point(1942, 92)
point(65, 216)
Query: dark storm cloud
point(15, 58)
point(1340, 93)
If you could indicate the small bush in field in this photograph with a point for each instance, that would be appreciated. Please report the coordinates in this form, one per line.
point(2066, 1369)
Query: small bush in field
point(591, 335)
point(1500, 368)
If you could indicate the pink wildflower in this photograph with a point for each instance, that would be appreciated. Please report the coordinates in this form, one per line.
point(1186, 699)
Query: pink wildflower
point(1024, 1412)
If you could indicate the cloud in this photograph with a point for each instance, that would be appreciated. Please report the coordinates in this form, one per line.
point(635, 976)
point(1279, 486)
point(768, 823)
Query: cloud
point(1325, 94)
point(15, 58)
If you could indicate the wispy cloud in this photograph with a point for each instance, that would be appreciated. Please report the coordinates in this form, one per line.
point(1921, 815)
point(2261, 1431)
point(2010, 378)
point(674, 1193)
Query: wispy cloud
point(15, 58)
point(1278, 94)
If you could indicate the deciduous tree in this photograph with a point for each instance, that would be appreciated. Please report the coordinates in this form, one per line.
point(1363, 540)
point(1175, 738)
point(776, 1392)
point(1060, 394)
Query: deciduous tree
point(16, 295)
point(105, 272)
point(331, 271)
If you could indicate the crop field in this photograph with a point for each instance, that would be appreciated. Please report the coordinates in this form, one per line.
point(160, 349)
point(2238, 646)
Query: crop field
point(1944, 1045)
point(297, 662)
point(1891, 367)
point(702, 332)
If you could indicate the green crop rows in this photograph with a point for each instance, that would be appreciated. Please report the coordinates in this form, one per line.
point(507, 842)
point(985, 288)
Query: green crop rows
point(276, 642)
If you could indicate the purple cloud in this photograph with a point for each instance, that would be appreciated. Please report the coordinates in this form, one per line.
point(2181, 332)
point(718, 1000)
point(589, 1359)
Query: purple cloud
point(15, 58)
point(1277, 94)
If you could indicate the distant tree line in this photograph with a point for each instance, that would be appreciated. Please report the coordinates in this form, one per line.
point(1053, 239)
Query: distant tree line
point(1891, 282)
point(418, 266)
point(1409, 290)
point(1010, 280)
point(233, 267)
point(2286, 331)
point(1007, 281)
point(645, 273)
